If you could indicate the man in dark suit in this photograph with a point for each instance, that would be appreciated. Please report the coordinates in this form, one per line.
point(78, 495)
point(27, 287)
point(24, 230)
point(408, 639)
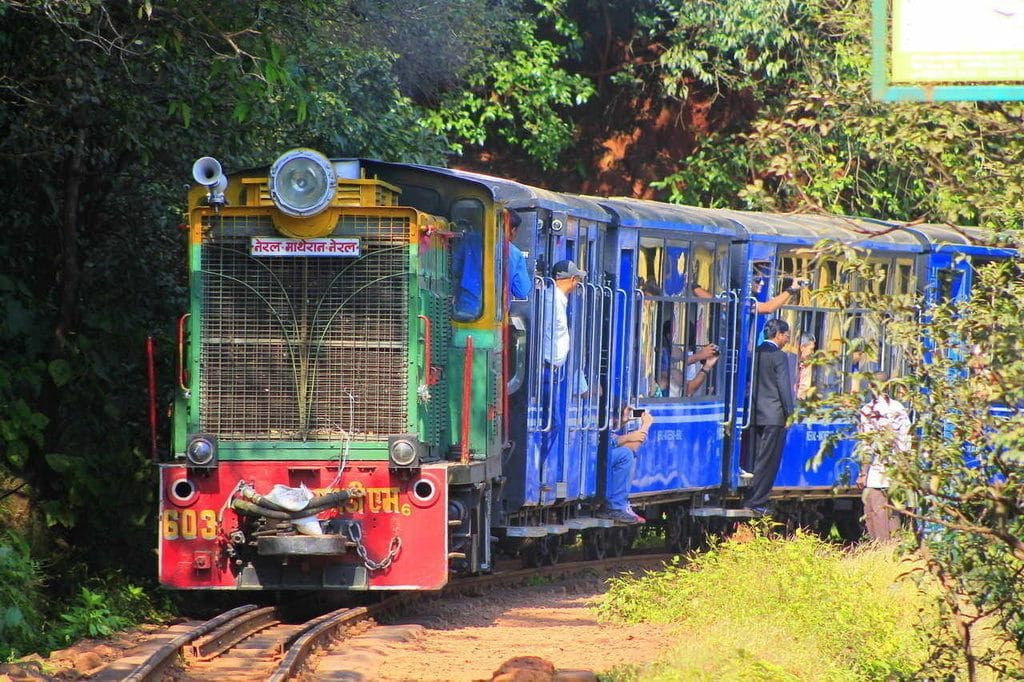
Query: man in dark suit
point(773, 403)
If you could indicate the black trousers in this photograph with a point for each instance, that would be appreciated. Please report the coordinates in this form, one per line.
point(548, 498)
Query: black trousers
point(767, 451)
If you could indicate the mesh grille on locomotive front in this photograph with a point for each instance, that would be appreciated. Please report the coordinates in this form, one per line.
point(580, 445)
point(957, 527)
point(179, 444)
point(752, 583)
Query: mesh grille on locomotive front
point(304, 347)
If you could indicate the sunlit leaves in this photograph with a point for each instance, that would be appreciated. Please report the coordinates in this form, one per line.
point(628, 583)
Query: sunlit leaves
point(522, 99)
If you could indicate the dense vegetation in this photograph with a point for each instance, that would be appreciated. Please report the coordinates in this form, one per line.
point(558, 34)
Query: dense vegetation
point(752, 103)
point(760, 607)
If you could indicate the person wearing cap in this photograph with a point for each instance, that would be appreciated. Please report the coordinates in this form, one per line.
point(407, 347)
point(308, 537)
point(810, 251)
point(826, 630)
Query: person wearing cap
point(556, 336)
point(519, 281)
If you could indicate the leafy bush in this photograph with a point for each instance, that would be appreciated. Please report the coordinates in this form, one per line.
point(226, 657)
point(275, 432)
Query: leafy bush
point(773, 608)
point(111, 605)
point(20, 596)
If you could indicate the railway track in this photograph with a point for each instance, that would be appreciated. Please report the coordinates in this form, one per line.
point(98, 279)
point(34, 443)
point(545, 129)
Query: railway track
point(275, 643)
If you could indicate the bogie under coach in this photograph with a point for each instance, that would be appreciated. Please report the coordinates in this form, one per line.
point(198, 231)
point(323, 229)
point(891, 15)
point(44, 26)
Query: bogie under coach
point(362, 402)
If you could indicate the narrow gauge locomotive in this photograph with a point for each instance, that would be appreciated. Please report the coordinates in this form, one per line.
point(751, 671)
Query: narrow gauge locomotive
point(361, 402)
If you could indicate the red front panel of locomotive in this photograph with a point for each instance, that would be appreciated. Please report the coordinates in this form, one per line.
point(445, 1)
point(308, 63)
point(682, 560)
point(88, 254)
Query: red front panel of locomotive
point(401, 515)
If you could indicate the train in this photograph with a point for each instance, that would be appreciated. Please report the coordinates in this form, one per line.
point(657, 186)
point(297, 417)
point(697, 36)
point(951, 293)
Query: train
point(361, 402)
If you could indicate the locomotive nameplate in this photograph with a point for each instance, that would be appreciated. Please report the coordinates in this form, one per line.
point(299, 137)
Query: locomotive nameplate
point(338, 247)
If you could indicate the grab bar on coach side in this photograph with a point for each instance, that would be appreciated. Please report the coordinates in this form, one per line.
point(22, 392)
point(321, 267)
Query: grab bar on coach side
point(749, 401)
point(518, 343)
point(634, 347)
point(604, 396)
point(620, 352)
point(733, 356)
point(596, 315)
point(547, 319)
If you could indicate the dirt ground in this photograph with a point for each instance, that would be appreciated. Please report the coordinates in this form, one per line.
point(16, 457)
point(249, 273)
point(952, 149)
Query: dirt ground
point(470, 638)
point(552, 625)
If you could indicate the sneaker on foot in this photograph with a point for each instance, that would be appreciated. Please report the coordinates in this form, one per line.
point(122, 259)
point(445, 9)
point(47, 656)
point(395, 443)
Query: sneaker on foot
point(639, 519)
point(745, 474)
point(621, 516)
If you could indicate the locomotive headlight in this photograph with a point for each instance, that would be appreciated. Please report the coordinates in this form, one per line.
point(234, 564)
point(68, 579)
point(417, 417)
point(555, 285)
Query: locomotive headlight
point(201, 451)
point(302, 183)
point(404, 452)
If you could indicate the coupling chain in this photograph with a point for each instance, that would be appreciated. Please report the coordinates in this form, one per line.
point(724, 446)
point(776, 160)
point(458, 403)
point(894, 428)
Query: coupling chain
point(356, 534)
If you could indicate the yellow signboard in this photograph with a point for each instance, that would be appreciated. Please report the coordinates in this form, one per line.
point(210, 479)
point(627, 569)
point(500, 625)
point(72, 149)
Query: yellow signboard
point(950, 41)
point(947, 50)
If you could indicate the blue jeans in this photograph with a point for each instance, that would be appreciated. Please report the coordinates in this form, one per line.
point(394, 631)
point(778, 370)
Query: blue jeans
point(553, 406)
point(620, 476)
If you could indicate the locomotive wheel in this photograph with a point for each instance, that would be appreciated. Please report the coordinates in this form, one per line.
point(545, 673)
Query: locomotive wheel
point(617, 541)
point(595, 544)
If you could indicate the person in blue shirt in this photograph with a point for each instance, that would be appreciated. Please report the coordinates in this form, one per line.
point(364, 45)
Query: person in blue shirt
point(467, 272)
point(519, 281)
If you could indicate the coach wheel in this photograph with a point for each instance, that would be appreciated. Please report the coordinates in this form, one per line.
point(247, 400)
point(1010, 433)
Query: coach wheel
point(697, 533)
point(617, 541)
point(536, 554)
point(676, 533)
point(554, 546)
point(595, 545)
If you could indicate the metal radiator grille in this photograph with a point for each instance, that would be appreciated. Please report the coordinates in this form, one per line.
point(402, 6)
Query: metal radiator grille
point(302, 348)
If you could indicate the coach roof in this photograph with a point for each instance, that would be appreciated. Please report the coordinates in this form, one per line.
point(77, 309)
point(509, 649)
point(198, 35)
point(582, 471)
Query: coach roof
point(640, 213)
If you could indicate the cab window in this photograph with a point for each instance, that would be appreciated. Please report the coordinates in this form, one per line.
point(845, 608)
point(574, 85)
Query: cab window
point(467, 216)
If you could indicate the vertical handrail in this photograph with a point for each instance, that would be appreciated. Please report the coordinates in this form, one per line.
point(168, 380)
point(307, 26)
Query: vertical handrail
point(734, 335)
point(749, 402)
point(535, 362)
point(605, 396)
point(575, 421)
point(182, 372)
point(638, 302)
point(573, 364)
point(621, 354)
point(467, 399)
point(593, 322)
point(548, 308)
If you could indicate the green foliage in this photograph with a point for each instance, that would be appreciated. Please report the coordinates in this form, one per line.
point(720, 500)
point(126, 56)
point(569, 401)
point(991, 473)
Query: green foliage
point(21, 595)
point(520, 100)
point(817, 142)
point(731, 46)
point(94, 160)
point(773, 608)
point(90, 616)
point(960, 482)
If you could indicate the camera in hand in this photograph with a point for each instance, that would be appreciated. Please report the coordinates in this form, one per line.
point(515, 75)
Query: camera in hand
point(638, 412)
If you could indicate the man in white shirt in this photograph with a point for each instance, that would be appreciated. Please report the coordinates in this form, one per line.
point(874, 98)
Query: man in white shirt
point(888, 423)
point(556, 335)
point(555, 346)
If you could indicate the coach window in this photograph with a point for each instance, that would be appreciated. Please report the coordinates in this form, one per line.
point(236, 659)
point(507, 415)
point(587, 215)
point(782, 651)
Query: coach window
point(903, 277)
point(468, 259)
point(650, 259)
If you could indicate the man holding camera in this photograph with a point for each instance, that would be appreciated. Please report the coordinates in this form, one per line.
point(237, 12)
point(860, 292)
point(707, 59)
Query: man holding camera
point(757, 284)
point(621, 461)
point(698, 367)
point(780, 299)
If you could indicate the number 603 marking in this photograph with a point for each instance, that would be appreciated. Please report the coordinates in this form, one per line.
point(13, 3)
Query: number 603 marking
point(189, 524)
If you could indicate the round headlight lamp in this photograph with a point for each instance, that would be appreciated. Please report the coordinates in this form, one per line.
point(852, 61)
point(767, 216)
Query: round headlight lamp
point(201, 451)
point(302, 183)
point(403, 453)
